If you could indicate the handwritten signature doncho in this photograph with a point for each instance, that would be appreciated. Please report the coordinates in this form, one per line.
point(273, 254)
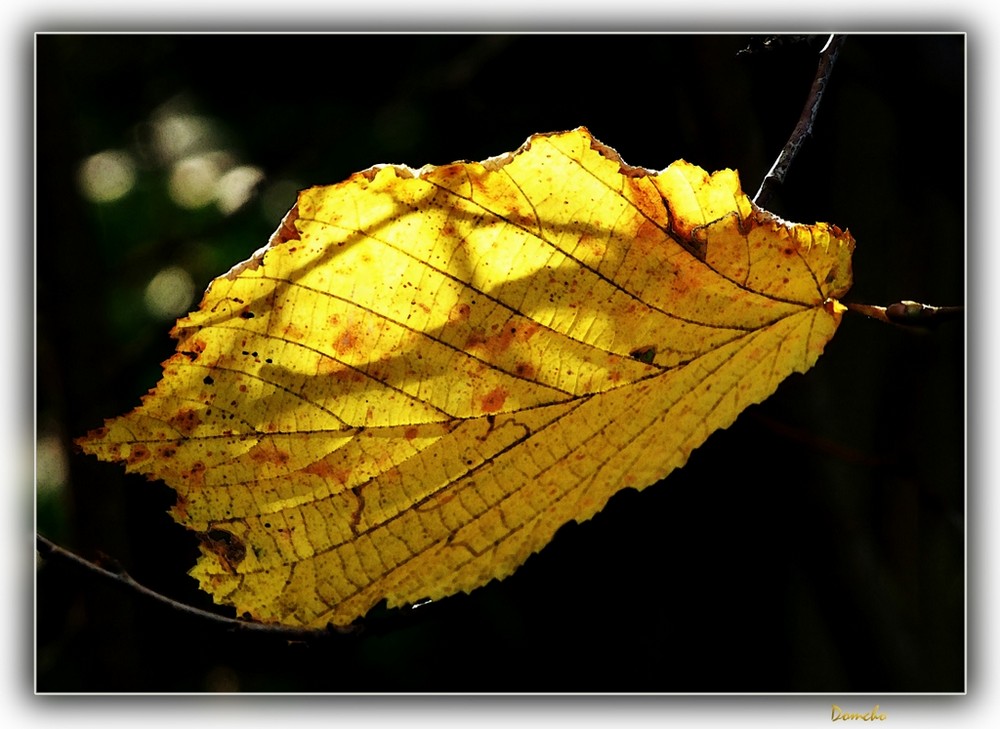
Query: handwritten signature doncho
point(838, 714)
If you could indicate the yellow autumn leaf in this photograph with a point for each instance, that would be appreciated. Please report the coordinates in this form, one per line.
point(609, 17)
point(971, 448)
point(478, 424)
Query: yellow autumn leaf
point(426, 373)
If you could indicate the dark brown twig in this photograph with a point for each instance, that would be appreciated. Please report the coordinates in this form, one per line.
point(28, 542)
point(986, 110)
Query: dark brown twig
point(908, 313)
point(776, 175)
point(50, 550)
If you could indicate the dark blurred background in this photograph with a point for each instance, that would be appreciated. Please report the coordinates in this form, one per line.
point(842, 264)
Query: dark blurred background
point(815, 546)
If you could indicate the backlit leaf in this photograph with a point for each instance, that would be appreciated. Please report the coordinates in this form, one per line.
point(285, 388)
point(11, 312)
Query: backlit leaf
point(427, 372)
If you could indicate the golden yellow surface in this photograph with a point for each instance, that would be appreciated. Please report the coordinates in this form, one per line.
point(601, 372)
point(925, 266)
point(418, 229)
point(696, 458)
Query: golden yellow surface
point(427, 372)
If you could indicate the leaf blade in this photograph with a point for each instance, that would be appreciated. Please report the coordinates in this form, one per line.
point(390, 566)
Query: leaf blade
point(426, 373)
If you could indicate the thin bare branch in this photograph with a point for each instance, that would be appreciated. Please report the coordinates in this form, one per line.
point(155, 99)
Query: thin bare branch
point(908, 313)
point(776, 175)
point(50, 550)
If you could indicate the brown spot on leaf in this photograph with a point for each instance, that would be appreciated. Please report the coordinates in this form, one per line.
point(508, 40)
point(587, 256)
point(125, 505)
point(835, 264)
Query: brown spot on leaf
point(492, 401)
point(195, 476)
point(459, 313)
point(292, 332)
point(338, 371)
point(525, 370)
point(497, 344)
point(179, 510)
point(137, 454)
point(476, 339)
point(190, 348)
point(267, 452)
point(185, 421)
point(328, 471)
point(347, 340)
point(227, 546)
